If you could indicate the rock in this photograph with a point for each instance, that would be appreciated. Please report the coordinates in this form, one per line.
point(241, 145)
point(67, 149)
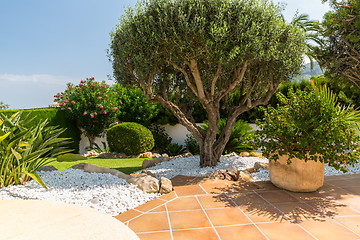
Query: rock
point(244, 154)
point(94, 200)
point(256, 154)
point(146, 155)
point(148, 163)
point(91, 153)
point(96, 169)
point(188, 154)
point(231, 155)
point(221, 175)
point(245, 176)
point(251, 170)
point(262, 165)
point(166, 185)
point(156, 155)
point(165, 155)
point(47, 168)
point(218, 174)
point(79, 166)
point(233, 172)
point(112, 155)
point(146, 183)
point(149, 173)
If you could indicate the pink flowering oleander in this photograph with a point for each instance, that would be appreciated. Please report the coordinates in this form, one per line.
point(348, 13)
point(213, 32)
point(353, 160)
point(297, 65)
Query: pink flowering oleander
point(116, 123)
point(101, 106)
point(85, 113)
point(92, 85)
point(72, 102)
point(92, 115)
point(70, 87)
point(115, 108)
point(82, 81)
point(99, 98)
point(65, 101)
point(95, 113)
point(105, 112)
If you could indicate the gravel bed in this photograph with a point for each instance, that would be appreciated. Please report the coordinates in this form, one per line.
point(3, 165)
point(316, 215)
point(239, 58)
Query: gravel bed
point(113, 195)
point(189, 166)
point(101, 191)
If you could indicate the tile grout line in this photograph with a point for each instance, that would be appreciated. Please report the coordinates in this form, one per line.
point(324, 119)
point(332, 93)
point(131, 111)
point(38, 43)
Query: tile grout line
point(254, 224)
point(286, 216)
point(151, 210)
point(168, 217)
point(346, 227)
point(203, 189)
point(212, 225)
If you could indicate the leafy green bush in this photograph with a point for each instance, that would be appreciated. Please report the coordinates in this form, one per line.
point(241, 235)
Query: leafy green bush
point(91, 104)
point(24, 150)
point(311, 126)
point(134, 106)
point(55, 117)
point(130, 138)
point(175, 149)
point(192, 145)
point(240, 137)
point(162, 139)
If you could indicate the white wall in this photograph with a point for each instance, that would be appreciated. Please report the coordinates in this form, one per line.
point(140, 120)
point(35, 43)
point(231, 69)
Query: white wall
point(177, 132)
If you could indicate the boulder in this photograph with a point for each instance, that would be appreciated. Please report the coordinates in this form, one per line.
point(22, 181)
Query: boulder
point(251, 170)
point(91, 153)
point(146, 155)
point(221, 175)
point(245, 154)
point(233, 172)
point(166, 185)
point(262, 165)
point(47, 168)
point(256, 154)
point(231, 155)
point(146, 183)
point(156, 155)
point(96, 169)
point(148, 163)
point(148, 173)
point(79, 166)
point(245, 176)
point(165, 155)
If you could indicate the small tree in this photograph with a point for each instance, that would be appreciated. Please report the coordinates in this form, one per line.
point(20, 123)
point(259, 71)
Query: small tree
point(340, 55)
point(205, 50)
point(91, 104)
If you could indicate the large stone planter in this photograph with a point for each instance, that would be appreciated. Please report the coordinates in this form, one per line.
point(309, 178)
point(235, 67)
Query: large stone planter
point(299, 176)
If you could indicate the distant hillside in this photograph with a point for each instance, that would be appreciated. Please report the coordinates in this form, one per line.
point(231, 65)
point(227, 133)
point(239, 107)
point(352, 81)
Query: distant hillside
point(307, 72)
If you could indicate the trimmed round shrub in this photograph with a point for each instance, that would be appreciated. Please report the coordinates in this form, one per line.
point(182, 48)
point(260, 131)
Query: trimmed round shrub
point(130, 138)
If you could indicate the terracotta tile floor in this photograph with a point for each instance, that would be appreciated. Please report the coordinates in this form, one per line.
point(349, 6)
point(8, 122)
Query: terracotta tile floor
point(201, 208)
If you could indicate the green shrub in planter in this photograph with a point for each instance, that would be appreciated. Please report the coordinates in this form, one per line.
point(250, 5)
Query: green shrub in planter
point(311, 126)
point(130, 138)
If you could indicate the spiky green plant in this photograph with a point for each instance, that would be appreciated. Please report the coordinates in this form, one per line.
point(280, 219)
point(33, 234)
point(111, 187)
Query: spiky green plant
point(23, 150)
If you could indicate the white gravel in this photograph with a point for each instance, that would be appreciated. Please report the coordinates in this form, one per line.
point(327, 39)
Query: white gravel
point(101, 191)
point(113, 195)
point(190, 166)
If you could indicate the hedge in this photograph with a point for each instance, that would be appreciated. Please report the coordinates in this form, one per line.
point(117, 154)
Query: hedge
point(56, 117)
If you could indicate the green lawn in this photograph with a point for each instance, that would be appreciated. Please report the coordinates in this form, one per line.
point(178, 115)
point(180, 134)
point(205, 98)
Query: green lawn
point(125, 165)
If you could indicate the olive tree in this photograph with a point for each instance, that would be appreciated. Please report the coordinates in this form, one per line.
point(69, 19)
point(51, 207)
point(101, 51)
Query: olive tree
point(340, 53)
point(204, 50)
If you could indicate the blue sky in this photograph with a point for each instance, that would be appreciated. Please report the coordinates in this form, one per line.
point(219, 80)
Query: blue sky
point(45, 44)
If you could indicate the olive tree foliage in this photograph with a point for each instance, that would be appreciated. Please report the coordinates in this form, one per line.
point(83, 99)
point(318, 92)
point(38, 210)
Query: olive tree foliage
point(340, 53)
point(204, 50)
